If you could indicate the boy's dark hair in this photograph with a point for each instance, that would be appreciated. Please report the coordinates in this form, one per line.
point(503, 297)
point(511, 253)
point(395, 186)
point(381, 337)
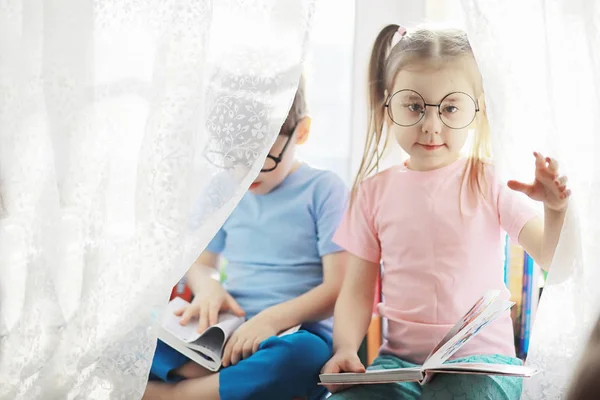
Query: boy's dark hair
point(297, 111)
point(586, 384)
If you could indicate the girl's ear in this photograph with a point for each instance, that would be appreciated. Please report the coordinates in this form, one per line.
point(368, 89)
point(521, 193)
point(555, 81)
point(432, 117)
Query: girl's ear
point(303, 130)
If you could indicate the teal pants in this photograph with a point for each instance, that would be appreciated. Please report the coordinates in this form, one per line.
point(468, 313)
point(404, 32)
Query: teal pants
point(442, 386)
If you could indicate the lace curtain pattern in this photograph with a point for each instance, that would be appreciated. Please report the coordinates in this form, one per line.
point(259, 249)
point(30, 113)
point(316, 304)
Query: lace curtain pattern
point(129, 130)
point(540, 61)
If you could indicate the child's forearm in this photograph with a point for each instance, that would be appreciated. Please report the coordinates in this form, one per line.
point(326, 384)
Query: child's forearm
point(200, 276)
point(353, 312)
point(553, 223)
point(314, 305)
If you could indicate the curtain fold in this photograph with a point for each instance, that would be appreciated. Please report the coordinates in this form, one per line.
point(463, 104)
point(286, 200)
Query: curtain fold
point(129, 130)
point(540, 61)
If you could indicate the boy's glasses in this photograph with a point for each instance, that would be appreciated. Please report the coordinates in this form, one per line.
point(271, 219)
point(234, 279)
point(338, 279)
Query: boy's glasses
point(456, 110)
point(272, 162)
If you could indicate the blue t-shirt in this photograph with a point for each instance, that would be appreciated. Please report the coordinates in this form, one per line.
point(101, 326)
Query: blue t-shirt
point(273, 243)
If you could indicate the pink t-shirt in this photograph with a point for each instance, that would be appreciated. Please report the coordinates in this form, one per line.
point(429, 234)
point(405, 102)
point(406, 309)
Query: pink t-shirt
point(436, 262)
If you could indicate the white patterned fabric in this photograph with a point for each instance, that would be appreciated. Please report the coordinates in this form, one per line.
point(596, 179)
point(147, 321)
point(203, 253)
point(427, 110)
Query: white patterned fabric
point(128, 132)
point(540, 61)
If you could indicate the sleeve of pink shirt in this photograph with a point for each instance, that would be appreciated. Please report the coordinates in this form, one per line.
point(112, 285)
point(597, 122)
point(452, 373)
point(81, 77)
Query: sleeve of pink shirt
point(513, 210)
point(357, 233)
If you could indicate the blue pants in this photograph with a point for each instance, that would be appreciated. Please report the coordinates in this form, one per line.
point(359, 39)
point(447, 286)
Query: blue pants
point(442, 386)
point(282, 368)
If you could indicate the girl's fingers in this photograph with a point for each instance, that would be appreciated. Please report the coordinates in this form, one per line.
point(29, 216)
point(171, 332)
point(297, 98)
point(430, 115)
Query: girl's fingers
point(521, 187)
point(539, 160)
point(561, 182)
point(552, 165)
point(566, 194)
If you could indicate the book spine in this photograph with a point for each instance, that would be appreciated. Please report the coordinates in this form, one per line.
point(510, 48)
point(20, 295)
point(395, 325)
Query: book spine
point(506, 260)
point(528, 284)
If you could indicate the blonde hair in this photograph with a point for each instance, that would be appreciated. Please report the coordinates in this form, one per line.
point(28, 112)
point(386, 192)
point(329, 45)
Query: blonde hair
point(427, 46)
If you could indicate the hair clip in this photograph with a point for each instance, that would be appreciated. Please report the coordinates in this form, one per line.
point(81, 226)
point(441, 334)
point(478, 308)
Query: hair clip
point(398, 35)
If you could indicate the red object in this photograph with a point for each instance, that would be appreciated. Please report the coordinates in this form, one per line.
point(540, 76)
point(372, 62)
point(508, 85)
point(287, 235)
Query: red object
point(378, 297)
point(182, 290)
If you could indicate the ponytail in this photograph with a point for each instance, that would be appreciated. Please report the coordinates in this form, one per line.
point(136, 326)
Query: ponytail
point(376, 87)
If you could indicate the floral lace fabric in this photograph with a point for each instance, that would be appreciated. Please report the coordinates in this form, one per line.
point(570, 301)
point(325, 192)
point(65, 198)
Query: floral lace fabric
point(129, 130)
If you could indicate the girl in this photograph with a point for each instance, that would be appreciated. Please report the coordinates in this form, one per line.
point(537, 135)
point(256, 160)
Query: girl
point(434, 223)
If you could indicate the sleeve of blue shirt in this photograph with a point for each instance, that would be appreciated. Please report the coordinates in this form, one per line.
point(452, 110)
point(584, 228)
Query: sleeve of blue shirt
point(217, 244)
point(331, 196)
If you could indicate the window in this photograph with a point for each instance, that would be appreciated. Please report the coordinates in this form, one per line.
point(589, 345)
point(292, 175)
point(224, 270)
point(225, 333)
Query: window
point(329, 68)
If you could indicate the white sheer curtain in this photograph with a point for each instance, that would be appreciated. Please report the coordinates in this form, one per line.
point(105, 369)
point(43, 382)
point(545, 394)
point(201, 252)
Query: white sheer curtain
point(540, 60)
point(128, 132)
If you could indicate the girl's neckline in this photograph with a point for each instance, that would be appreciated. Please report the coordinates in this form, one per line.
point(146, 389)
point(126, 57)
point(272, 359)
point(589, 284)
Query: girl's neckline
point(432, 172)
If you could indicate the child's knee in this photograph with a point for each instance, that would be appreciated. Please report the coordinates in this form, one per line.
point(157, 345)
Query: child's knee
point(473, 387)
point(283, 368)
point(306, 352)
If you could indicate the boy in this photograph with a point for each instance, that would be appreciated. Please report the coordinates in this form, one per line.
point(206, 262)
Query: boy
point(283, 270)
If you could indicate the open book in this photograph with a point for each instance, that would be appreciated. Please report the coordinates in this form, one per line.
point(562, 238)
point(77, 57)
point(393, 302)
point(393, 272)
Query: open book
point(204, 348)
point(487, 309)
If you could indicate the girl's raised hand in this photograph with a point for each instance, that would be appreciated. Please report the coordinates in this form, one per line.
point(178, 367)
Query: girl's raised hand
point(548, 187)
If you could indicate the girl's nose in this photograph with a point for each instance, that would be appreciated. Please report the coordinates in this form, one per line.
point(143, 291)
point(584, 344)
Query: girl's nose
point(431, 121)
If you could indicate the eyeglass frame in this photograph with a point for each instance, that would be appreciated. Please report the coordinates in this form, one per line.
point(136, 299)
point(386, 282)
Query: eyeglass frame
point(387, 105)
point(279, 158)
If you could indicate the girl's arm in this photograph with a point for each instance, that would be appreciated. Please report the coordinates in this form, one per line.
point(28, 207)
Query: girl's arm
point(352, 316)
point(540, 238)
point(354, 306)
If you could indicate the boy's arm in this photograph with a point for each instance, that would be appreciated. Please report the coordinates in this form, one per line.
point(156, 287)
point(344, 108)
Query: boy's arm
point(210, 298)
point(203, 270)
point(314, 305)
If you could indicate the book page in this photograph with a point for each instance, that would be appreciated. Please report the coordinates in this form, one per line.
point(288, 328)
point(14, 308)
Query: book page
point(481, 304)
point(373, 376)
point(170, 322)
point(522, 371)
point(228, 323)
point(293, 329)
point(210, 343)
point(471, 326)
point(199, 357)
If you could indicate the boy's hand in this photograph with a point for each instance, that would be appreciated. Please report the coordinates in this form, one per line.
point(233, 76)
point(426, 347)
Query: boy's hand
point(342, 361)
point(246, 339)
point(207, 306)
point(548, 187)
